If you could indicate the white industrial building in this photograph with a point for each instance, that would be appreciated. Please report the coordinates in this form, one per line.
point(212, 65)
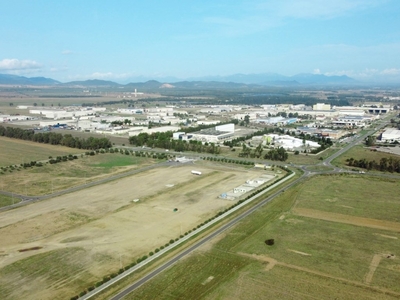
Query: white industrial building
point(252, 116)
point(391, 135)
point(287, 142)
point(68, 113)
point(137, 130)
point(215, 135)
point(321, 106)
point(350, 110)
point(130, 111)
point(352, 120)
point(13, 118)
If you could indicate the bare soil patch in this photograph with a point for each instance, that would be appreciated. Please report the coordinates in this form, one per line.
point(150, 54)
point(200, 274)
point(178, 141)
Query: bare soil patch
point(299, 252)
point(372, 267)
point(341, 218)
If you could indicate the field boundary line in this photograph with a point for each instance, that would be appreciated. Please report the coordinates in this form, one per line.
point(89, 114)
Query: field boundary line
point(347, 219)
point(376, 259)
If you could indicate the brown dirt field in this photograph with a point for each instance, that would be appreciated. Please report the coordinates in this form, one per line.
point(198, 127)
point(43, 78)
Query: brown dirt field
point(346, 219)
point(104, 222)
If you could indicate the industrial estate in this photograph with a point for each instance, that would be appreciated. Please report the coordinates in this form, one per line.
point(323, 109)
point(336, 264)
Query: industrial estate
point(111, 192)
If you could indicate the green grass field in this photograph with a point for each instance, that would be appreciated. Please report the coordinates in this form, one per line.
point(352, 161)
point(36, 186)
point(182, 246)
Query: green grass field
point(55, 177)
point(360, 152)
point(7, 200)
point(356, 195)
point(311, 258)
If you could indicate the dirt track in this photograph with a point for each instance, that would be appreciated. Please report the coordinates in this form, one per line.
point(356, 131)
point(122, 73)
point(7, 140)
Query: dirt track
point(347, 219)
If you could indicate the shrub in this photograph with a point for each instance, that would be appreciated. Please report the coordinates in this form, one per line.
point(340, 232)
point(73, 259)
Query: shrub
point(83, 293)
point(270, 242)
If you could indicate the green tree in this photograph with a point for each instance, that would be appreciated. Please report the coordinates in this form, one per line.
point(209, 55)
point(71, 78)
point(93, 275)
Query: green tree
point(247, 120)
point(370, 141)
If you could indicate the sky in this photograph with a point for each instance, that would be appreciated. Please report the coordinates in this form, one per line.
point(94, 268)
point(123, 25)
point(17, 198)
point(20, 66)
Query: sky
point(126, 40)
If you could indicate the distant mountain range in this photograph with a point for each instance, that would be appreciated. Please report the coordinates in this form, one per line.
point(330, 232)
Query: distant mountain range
point(21, 80)
point(232, 81)
point(278, 79)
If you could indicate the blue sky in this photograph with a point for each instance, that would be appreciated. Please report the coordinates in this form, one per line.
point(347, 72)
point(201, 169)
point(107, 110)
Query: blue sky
point(126, 40)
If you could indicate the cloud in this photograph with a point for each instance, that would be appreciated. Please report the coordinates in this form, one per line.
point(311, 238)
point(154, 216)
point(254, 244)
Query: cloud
point(60, 69)
point(16, 64)
point(67, 52)
point(392, 71)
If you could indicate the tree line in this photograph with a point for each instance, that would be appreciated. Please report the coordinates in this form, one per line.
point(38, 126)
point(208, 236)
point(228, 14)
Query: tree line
point(385, 164)
point(55, 138)
point(164, 140)
point(272, 154)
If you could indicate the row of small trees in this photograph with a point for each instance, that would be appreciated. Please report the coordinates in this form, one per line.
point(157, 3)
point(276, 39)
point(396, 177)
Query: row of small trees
point(69, 157)
point(31, 164)
point(55, 138)
point(171, 241)
point(164, 140)
point(279, 153)
point(227, 160)
point(385, 164)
